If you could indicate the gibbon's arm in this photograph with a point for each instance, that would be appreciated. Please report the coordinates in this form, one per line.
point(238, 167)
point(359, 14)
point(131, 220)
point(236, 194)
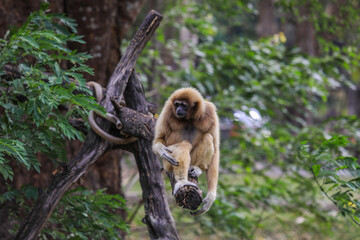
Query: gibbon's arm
point(212, 172)
point(161, 128)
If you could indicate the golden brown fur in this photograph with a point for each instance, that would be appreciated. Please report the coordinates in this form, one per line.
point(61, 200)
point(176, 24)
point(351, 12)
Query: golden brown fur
point(192, 140)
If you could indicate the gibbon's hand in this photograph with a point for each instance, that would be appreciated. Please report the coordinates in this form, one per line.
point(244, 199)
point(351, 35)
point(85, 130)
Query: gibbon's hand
point(206, 204)
point(165, 153)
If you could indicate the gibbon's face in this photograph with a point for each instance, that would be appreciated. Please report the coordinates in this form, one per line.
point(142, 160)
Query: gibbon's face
point(181, 108)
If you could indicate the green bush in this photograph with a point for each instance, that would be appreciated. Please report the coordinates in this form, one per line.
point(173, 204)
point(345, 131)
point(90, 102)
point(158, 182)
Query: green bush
point(39, 78)
point(265, 187)
point(38, 75)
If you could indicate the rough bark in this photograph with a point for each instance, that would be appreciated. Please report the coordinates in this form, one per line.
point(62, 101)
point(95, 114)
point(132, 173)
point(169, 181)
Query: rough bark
point(134, 123)
point(103, 25)
point(266, 25)
point(94, 146)
point(158, 219)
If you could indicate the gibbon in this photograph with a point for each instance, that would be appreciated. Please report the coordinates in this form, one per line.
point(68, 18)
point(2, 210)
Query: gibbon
point(187, 138)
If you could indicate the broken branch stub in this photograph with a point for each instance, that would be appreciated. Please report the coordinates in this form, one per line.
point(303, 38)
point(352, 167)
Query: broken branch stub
point(126, 65)
point(188, 197)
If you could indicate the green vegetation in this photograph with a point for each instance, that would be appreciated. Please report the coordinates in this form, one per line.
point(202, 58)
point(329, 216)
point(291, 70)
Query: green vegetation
point(46, 77)
point(31, 119)
point(82, 214)
point(284, 174)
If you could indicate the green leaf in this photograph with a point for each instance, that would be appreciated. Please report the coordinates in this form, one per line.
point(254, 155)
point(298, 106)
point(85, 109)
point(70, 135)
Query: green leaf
point(316, 169)
point(16, 149)
point(30, 192)
point(57, 69)
point(30, 40)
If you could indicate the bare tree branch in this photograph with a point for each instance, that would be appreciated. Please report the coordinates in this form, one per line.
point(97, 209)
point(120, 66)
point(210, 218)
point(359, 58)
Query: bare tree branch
point(94, 147)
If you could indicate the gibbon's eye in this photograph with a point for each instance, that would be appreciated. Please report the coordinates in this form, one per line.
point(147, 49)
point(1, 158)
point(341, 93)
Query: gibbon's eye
point(184, 106)
point(176, 104)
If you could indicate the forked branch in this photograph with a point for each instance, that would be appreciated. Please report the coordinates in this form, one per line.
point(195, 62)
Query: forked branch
point(94, 147)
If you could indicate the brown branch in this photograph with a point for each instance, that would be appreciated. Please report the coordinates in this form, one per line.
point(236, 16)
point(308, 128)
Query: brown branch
point(161, 224)
point(94, 147)
point(134, 123)
point(127, 63)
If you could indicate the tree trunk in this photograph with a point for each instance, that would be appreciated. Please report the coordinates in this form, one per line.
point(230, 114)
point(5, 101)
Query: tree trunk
point(158, 216)
point(266, 25)
point(306, 34)
point(103, 25)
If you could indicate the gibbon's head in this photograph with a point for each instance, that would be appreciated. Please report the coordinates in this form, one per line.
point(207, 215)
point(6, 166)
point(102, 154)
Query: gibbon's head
point(187, 104)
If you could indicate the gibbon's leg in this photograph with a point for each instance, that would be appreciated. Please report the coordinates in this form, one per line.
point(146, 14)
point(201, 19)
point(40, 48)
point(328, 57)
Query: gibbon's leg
point(202, 154)
point(181, 152)
point(209, 162)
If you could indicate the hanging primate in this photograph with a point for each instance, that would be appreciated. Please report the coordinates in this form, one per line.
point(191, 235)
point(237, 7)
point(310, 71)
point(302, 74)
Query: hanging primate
point(187, 137)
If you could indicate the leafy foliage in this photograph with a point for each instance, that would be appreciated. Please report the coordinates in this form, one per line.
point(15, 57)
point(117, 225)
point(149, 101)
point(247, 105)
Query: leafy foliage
point(82, 214)
point(336, 175)
point(340, 20)
point(26, 192)
point(276, 165)
point(263, 181)
point(41, 78)
point(38, 75)
point(15, 149)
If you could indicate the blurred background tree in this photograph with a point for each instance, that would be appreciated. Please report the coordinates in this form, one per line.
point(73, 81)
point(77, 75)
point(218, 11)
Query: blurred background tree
point(285, 78)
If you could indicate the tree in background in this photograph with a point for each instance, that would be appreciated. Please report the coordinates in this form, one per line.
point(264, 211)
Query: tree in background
point(103, 35)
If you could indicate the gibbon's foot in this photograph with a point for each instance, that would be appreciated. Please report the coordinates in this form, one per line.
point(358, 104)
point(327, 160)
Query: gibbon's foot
point(194, 171)
point(206, 204)
point(182, 183)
